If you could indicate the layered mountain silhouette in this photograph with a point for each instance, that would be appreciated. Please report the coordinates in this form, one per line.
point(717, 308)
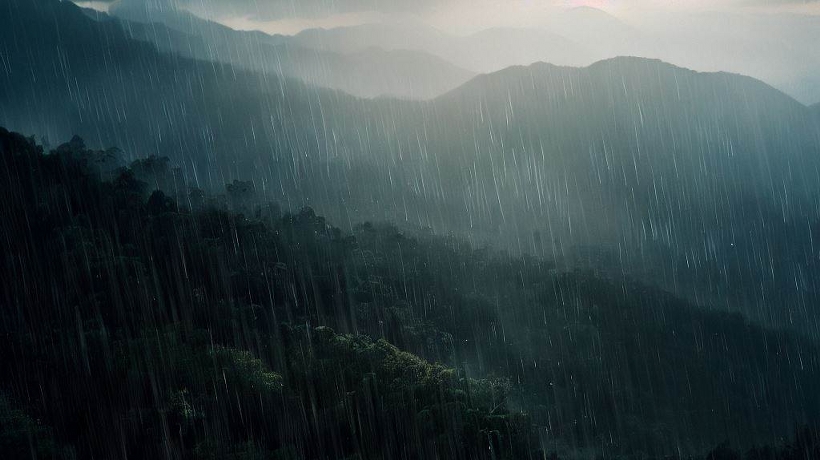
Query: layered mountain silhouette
point(705, 41)
point(702, 183)
point(486, 51)
point(743, 44)
point(67, 73)
point(368, 72)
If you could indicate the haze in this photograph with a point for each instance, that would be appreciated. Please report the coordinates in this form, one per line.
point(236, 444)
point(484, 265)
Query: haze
point(772, 41)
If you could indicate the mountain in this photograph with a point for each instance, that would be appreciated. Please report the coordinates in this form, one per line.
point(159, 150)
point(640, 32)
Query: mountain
point(774, 47)
point(486, 51)
point(386, 36)
point(597, 30)
point(495, 49)
point(209, 315)
point(222, 328)
point(663, 162)
point(654, 166)
point(365, 73)
point(628, 166)
point(403, 74)
point(576, 36)
point(69, 74)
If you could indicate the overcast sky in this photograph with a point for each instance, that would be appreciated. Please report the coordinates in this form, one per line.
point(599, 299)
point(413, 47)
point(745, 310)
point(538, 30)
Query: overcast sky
point(268, 10)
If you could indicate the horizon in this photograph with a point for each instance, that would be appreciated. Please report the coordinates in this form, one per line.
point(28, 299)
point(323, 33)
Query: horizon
point(774, 43)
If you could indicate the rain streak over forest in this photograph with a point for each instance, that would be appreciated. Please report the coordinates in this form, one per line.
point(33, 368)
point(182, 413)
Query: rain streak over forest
point(430, 229)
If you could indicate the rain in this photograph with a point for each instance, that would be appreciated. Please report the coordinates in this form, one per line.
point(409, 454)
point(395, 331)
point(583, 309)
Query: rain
point(373, 229)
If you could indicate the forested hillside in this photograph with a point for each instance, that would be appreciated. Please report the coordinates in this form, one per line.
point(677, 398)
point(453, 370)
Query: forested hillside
point(216, 326)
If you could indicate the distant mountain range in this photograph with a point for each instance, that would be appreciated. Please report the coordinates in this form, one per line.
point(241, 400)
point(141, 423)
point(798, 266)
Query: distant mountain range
point(655, 289)
point(367, 72)
point(743, 44)
point(704, 183)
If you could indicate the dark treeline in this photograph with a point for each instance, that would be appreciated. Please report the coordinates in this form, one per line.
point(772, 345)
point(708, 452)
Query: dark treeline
point(144, 318)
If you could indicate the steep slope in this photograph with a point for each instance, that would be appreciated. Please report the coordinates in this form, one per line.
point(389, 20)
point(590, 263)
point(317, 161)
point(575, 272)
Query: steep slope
point(67, 74)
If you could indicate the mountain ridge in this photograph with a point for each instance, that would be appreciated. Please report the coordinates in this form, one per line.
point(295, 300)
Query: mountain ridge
point(627, 155)
point(484, 51)
point(365, 73)
point(595, 362)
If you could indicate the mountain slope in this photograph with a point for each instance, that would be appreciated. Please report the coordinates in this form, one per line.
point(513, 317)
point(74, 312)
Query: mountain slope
point(137, 313)
point(701, 183)
point(495, 49)
point(660, 164)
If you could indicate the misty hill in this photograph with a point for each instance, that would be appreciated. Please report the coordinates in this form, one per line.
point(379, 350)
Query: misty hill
point(365, 73)
point(575, 37)
point(638, 154)
point(681, 178)
point(205, 327)
point(386, 36)
point(495, 49)
point(742, 43)
point(775, 48)
point(700, 183)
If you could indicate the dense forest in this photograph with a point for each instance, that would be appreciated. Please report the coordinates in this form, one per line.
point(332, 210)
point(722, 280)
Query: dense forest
point(149, 319)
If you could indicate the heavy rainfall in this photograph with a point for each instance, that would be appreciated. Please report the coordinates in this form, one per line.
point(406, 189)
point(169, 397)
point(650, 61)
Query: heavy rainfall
point(379, 229)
